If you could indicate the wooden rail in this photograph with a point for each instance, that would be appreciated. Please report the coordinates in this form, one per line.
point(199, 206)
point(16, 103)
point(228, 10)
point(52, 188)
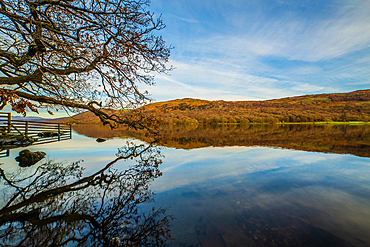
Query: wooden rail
point(4, 153)
point(42, 132)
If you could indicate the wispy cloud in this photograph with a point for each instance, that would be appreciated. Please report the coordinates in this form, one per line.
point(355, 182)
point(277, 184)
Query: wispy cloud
point(184, 19)
point(212, 81)
point(239, 50)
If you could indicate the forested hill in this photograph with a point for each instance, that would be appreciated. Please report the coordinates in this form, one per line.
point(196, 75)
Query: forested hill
point(338, 107)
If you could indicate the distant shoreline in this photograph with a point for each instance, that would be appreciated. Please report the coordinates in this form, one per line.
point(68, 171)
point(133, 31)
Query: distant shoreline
point(337, 123)
point(337, 108)
point(282, 123)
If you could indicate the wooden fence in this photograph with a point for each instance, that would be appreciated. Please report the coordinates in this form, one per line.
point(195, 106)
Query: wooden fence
point(4, 153)
point(41, 132)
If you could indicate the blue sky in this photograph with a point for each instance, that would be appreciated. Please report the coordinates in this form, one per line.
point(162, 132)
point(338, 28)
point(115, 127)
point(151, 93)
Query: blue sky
point(263, 49)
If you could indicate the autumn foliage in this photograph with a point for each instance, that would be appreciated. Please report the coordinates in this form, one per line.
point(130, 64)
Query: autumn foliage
point(354, 106)
point(81, 54)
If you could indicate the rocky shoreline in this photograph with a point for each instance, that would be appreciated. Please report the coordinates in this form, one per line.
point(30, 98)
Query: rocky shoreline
point(14, 140)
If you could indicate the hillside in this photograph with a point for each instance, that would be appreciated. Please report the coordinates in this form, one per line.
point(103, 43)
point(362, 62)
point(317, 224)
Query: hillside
point(339, 107)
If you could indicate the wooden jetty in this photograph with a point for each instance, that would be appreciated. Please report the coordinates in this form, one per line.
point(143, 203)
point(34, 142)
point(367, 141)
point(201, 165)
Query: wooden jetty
point(41, 132)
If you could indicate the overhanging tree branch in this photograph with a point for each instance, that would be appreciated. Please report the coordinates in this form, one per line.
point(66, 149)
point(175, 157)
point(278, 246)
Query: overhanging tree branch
point(62, 52)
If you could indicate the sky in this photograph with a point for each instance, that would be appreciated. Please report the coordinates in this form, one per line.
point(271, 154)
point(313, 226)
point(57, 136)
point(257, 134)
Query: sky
point(263, 49)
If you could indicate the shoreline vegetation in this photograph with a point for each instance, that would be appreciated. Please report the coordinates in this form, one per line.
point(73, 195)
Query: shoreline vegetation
point(337, 108)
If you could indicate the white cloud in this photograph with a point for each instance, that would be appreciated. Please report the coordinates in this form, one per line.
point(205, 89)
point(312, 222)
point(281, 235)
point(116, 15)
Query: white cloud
point(293, 37)
point(361, 83)
point(305, 87)
point(184, 19)
point(296, 40)
point(243, 56)
point(213, 80)
point(313, 40)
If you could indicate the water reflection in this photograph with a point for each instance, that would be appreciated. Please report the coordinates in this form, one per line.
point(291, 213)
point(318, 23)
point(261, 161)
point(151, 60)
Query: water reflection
point(307, 137)
point(267, 197)
point(230, 192)
point(56, 205)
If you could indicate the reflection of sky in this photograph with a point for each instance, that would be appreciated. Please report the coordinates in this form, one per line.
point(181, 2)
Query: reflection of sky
point(329, 192)
point(326, 191)
point(185, 167)
point(95, 155)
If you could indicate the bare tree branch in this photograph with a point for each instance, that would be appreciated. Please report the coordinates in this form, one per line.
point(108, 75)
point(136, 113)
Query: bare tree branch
point(70, 53)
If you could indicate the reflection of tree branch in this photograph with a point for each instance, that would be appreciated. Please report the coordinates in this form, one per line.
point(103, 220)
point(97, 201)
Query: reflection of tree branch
point(92, 210)
point(34, 217)
point(2, 173)
point(80, 184)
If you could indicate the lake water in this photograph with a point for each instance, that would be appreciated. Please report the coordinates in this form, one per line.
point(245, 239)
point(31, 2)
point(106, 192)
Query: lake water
point(257, 185)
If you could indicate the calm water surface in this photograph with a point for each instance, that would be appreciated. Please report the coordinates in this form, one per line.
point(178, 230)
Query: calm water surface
point(224, 186)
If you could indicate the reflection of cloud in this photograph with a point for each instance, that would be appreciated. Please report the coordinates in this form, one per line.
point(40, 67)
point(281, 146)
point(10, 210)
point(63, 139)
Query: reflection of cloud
point(196, 166)
point(313, 159)
point(327, 193)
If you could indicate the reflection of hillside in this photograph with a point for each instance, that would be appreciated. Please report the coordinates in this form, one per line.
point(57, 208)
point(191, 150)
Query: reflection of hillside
point(317, 138)
point(99, 131)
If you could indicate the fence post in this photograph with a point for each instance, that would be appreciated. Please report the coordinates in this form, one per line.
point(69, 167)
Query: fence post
point(70, 131)
point(58, 131)
point(26, 130)
point(9, 122)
